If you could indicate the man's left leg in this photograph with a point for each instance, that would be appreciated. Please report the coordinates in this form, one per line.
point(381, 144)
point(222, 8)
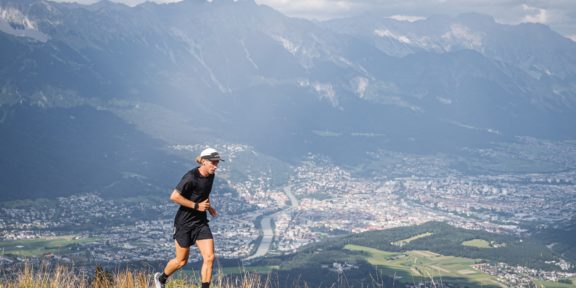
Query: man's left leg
point(206, 247)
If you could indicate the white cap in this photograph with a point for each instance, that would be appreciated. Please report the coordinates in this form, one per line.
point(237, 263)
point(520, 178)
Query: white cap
point(210, 154)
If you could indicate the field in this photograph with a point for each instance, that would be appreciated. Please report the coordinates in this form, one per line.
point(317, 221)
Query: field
point(38, 247)
point(415, 266)
point(478, 243)
point(550, 284)
point(406, 241)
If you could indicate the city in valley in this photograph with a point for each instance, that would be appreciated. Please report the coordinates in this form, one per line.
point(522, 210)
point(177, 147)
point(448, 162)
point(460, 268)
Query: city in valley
point(318, 199)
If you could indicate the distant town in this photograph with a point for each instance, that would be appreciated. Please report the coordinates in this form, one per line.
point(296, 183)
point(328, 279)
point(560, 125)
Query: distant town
point(319, 200)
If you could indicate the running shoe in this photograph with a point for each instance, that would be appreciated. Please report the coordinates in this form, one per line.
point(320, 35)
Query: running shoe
point(157, 280)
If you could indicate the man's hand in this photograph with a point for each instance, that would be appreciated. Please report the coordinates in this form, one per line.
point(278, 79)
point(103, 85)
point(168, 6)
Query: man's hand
point(204, 205)
point(213, 212)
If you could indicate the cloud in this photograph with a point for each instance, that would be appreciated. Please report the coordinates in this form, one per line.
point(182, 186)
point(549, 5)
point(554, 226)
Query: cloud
point(536, 15)
point(313, 9)
point(560, 15)
point(126, 2)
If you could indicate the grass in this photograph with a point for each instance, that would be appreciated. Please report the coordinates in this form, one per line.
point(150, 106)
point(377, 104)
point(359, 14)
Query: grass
point(46, 276)
point(407, 267)
point(418, 265)
point(550, 284)
point(478, 243)
point(38, 247)
point(403, 242)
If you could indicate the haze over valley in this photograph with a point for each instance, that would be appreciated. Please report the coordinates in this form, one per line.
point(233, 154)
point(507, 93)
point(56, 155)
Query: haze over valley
point(330, 130)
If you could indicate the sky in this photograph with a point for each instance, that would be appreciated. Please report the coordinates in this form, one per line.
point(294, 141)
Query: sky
point(560, 15)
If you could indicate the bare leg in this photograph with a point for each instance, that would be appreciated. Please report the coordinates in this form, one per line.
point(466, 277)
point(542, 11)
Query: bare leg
point(206, 248)
point(179, 261)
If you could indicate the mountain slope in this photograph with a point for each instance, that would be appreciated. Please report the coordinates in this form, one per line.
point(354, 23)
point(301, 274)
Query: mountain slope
point(237, 72)
point(79, 150)
point(404, 255)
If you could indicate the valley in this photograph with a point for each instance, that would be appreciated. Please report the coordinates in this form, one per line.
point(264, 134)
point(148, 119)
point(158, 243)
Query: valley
point(319, 201)
point(373, 150)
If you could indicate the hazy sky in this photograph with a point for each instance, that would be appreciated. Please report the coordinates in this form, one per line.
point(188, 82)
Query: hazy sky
point(560, 15)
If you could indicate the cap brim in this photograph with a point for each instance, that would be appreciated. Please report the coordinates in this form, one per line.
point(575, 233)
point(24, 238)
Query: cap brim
point(214, 159)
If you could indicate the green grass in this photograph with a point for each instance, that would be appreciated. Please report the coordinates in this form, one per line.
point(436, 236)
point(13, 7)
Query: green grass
point(408, 240)
point(550, 284)
point(38, 247)
point(425, 265)
point(478, 243)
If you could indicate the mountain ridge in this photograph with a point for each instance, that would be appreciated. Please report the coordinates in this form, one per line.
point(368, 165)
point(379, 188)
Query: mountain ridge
point(238, 72)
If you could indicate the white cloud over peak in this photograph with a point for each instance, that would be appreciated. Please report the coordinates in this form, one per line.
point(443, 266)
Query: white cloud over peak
point(125, 2)
point(313, 9)
point(535, 15)
point(560, 15)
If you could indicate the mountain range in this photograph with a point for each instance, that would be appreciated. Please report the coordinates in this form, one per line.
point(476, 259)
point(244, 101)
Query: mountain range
point(91, 96)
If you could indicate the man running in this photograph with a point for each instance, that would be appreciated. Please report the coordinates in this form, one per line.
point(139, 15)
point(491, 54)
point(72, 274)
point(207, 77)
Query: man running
point(191, 221)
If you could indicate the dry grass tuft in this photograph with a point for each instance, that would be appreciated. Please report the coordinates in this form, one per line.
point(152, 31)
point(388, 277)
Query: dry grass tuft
point(59, 276)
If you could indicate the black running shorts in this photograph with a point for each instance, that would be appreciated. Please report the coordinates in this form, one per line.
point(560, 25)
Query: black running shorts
point(187, 236)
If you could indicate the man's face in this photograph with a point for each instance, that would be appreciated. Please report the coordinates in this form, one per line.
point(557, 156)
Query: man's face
point(211, 165)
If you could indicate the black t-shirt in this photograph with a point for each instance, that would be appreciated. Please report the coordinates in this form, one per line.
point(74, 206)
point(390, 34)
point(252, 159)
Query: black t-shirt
point(196, 188)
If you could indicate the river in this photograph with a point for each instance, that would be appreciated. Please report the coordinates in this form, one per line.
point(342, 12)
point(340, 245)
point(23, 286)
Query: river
point(266, 226)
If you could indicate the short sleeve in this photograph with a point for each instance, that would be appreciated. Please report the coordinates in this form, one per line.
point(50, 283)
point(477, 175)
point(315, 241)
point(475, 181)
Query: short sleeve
point(185, 185)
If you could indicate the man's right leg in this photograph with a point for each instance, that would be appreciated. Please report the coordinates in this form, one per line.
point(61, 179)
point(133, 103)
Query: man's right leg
point(173, 265)
point(179, 261)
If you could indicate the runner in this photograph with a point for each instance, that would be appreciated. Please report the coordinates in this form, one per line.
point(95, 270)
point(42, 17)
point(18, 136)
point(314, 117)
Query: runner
point(191, 221)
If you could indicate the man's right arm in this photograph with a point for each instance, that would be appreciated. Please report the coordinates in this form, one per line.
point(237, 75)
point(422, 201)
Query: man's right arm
point(177, 198)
